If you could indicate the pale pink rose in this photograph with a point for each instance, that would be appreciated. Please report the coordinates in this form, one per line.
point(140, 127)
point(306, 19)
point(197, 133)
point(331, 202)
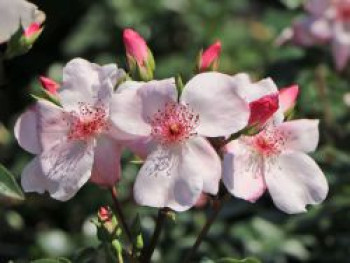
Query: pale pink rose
point(135, 46)
point(288, 97)
point(32, 29)
point(210, 57)
point(49, 85)
point(16, 13)
point(326, 22)
point(275, 159)
point(76, 142)
point(181, 163)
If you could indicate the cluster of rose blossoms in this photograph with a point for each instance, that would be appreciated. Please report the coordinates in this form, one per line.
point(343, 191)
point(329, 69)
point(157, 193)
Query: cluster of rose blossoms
point(326, 21)
point(215, 128)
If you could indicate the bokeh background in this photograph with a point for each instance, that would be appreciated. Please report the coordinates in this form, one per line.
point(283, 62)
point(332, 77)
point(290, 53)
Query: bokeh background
point(176, 30)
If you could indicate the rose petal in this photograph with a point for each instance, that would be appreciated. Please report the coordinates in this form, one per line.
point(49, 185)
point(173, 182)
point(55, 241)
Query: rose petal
point(203, 159)
point(294, 180)
point(214, 97)
point(341, 46)
point(85, 82)
point(163, 181)
point(132, 108)
point(33, 179)
point(243, 172)
point(52, 122)
point(16, 13)
point(254, 91)
point(261, 110)
point(67, 164)
point(301, 135)
point(106, 169)
point(288, 97)
point(26, 131)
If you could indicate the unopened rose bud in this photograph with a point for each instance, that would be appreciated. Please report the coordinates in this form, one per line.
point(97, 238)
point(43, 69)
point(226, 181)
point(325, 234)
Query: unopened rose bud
point(262, 109)
point(49, 85)
point(107, 228)
point(104, 214)
point(209, 59)
point(23, 40)
point(33, 29)
point(288, 97)
point(139, 56)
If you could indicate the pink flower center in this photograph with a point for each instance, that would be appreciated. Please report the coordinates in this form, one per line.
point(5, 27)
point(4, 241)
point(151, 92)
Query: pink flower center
point(175, 123)
point(343, 10)
point(267, 143)
point(88, 122)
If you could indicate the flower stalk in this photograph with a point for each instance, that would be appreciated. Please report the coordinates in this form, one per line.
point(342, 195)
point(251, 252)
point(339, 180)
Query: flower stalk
point(148, 252)
point(120, 214)
point(217, 206)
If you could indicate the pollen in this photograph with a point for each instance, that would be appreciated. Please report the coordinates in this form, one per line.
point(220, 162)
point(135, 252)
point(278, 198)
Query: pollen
point(269, 142)
point(174, 123)
point(89, 121)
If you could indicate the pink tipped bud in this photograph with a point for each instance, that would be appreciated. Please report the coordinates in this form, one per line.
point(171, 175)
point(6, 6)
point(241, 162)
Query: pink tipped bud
point(135, 46)
point(49, 85)
point(140, 58)
point(32, 29)
point(209, 59)
point(104, 214)
point(288, 97)
point(262, 109)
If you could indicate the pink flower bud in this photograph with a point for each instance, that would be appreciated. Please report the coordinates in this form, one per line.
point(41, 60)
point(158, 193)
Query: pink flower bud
point(287, 97)
point(32, 29)
point(210, 57)
point(49, 85)
point(262, 109)
point(135, 46)
point(104, 214)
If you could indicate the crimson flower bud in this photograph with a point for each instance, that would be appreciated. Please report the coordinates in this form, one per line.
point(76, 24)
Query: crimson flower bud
point(209, 59)
point(49, 85)
point(262, 109)
point(288, 97)
point(139, 56)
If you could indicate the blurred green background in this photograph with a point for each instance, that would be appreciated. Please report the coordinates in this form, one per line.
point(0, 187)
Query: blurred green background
point(176, 30)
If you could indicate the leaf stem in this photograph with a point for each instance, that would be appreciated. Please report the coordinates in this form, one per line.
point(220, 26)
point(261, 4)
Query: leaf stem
point(120, 214)
point(147, 255)
point(217, 205)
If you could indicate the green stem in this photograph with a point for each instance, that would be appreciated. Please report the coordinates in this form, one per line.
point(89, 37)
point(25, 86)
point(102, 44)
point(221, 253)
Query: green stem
point(217, 205)
point(120, 215)
point(147, 255)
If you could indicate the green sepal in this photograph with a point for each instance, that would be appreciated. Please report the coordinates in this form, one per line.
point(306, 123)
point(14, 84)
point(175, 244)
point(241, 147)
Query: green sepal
point(45, 95)
point(109, 230)
point(137, 236)
point(118, 250)
point(179, 85)
point(19, 44)
point(289, 114)
point(199, 61)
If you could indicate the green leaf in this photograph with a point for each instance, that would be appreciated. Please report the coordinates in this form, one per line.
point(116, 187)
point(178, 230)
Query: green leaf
point(232, 260)
point(51, 260)
point(9, 189)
